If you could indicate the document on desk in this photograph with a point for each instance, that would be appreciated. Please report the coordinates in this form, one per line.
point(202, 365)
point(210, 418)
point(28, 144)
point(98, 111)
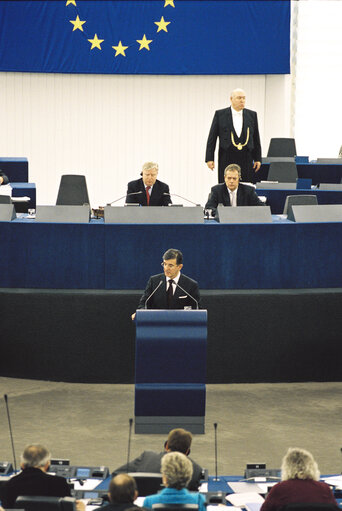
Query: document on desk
point(241, 499)
point(87, 484)
point(244, 487)
point(6, 190)
point(334, 481)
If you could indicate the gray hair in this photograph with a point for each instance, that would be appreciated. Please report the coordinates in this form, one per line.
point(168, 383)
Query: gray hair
point(177, 469)
point(233, 167)
point(35, 455)
point(237, 91)
point(299, 464)
point(150, 165)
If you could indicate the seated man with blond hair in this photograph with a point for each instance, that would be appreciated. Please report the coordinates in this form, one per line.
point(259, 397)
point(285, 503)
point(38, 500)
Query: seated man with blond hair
point(176, 470)
point(148, 191)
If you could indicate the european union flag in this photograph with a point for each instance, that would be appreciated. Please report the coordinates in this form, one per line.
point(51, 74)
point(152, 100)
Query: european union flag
point(145, 37)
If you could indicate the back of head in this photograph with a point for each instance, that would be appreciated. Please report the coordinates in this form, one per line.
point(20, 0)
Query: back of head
point(179, 439)
point(299, 464)
point(122, 488)
point(177, 469)
point(35, 455)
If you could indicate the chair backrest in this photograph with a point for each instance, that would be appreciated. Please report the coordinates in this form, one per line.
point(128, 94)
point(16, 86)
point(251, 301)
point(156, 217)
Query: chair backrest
point(283, 171)
point(309, 507)
point(175, 507)
point(72, 191)
point(282, 147)
point(147, 483)
point(35, 503)
point(298, 200)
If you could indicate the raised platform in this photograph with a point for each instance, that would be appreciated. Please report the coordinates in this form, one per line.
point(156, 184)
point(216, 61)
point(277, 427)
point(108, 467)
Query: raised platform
point(253, 336)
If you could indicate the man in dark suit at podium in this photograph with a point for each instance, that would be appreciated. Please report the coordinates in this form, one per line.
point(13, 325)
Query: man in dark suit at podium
point(171, 289)
point(231, 192)
point(148, 191)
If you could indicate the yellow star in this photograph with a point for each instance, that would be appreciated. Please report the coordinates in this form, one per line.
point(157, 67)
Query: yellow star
point(144, 43)
point(68, 2)
point(162, 24)
point(120, 50)
point(77, 24)
point(96, 43)
point(169, 2)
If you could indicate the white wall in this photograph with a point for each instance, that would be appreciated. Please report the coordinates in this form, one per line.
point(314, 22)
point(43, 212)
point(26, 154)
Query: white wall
point(106, 126)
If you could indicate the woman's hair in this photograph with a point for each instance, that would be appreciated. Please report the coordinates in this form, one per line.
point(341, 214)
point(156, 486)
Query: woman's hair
point(177, 469)
point(299, 464)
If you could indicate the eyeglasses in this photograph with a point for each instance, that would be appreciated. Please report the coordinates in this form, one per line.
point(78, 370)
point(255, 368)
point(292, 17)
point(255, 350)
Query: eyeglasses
point(167, 265)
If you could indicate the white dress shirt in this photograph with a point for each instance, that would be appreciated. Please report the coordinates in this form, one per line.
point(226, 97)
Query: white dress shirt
point(237, 121)
point(174, 284)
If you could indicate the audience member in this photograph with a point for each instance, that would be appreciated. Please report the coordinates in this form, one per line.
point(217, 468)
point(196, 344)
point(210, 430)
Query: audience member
point(178, 440)
point(176, 471)
point(300, 483)
point(33, 479)
point(122, 493)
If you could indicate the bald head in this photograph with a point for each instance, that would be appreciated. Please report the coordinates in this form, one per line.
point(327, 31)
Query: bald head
point(122, 488)
point(238, 99)
point(35, 456)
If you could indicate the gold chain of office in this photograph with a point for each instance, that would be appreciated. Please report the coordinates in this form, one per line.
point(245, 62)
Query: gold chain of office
point(239, 146)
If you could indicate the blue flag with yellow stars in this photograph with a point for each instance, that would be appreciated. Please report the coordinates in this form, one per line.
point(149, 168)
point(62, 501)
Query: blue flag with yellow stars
point(145, 36)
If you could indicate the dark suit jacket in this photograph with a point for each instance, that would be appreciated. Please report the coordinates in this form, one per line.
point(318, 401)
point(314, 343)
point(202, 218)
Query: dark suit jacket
point(180, 298)
point(246, 196)
point(150, 461)
point(5, 178)
point(157, 196)
point(222, 126)
point(34, 482)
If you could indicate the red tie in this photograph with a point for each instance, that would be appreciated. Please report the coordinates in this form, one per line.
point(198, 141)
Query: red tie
point(148, 188)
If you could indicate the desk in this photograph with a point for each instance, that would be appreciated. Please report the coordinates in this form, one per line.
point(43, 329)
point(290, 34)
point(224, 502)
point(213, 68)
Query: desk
point(318, 172)
point(276, 198)
point(22, 190)
point(106, 256)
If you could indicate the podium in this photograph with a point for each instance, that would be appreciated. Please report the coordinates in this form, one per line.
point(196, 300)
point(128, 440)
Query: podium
point(170, 370)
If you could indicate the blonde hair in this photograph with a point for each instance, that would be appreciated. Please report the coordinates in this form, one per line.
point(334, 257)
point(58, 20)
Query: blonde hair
point(177, 469)
point(299, 464)
point(150, 165)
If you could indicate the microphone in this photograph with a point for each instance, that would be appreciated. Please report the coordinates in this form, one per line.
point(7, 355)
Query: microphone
point(129, 441)
point(194, 299)
point(10, 430)
point(215, 428)
point(160, 283)
point(126, 195)
point(184, 198)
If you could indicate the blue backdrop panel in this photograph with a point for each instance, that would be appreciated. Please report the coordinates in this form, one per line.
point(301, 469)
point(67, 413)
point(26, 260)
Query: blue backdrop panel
point(171, 346)
point(169, 400)
point(182, 37)
point(64, 256)
point(318, 172)
point(16, 169)
point(276, 198)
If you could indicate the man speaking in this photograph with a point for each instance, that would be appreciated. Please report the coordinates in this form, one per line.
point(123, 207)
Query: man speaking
point(239, 140)
point(171, 289)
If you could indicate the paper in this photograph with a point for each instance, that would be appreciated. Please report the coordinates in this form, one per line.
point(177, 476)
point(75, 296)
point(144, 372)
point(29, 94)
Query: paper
point(6, 190)
point(88, 484)
point(240, 499)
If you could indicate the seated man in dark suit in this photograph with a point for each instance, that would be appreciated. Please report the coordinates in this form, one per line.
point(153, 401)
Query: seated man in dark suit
point(148, 191)
point(171, 290)
point(3, 178)
point(122, 494)
point(178, 440)
point(232, 192)
point(33, 479)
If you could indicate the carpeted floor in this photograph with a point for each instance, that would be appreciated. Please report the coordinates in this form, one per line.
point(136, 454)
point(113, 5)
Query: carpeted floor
point(88, 423)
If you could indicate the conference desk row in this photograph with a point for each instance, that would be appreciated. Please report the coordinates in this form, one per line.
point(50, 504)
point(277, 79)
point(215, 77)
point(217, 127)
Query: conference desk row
point(279, 255)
